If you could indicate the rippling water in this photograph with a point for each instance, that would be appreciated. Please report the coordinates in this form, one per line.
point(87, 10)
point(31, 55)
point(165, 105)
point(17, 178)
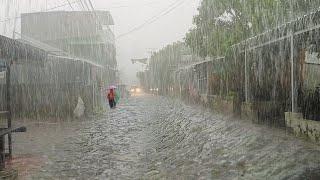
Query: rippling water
point(149, 137)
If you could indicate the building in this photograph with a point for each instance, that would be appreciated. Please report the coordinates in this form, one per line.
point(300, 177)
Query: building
point(78, 59)
point(83, 41)
point(83, 34)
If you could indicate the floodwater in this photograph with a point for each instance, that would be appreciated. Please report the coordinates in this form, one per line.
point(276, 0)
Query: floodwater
point(150, 137)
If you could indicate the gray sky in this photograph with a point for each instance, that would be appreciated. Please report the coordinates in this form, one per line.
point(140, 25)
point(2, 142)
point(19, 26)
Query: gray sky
point(127, 14)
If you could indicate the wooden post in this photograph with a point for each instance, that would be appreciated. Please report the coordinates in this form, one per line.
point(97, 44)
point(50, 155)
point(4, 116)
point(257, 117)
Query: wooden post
point(2, 153)
point(9, 118)
point(246, 75)
point(293, 98)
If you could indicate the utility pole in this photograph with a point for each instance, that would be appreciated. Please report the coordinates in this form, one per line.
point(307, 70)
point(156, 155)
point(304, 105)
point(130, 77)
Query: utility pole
point(14, 27)
point(293, 84)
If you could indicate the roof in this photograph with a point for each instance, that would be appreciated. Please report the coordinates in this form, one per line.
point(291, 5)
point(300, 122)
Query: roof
point(298, 26)
point(55, 53)
point(77, 59)
point(58, 25)
point(25, 52)
point(11, 49)
point(68, 58)
point(199, 63)
point(41, 45)
point(104, 17)
point(207, 60)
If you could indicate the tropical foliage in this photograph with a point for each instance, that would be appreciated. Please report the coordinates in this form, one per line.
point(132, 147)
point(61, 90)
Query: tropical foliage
point(164, 62)
point(221, 23)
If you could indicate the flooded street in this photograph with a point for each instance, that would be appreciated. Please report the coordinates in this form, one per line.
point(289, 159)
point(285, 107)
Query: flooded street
point(150, 137)
point(204, 89)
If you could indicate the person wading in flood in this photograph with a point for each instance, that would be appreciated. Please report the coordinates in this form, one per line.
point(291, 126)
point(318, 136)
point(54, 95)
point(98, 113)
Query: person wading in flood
point(111, 98)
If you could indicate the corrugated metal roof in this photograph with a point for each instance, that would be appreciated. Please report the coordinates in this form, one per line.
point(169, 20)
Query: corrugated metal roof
point(201, 62)
point(25, 52)
point(69, 58)
point(41, 45)
point(11, 49)
point(306, 23)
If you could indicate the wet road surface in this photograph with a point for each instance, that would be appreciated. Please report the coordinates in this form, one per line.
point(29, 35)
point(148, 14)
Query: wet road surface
point(150, 137)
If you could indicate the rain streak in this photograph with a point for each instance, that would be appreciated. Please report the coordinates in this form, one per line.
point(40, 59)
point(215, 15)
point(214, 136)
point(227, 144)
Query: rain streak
point(170, 89)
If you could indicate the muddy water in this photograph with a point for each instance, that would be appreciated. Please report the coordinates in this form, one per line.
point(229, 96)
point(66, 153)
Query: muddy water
point(193, 144)
point(155, 138)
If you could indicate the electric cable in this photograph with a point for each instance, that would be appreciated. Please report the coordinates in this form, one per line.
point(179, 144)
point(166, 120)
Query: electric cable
point(170, 8)
point(49, 9)
point(70, 4)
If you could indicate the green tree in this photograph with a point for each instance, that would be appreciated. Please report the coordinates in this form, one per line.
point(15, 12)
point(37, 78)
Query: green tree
point(221, 23)
point(164, 62)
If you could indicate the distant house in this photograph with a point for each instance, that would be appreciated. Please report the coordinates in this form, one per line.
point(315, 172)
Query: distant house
point(84, 34)
point(75, 58)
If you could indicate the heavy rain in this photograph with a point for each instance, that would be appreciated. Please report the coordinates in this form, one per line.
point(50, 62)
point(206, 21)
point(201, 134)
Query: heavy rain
point(160, 89)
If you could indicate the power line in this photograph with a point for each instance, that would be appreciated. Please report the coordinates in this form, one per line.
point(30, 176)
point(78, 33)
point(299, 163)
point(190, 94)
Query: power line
point(91, 5)
point(62, 5)
point(94, 14)
point(82, 5)
point(70, 4)
point(49, 9)
point(86, 4)
point(136, 5)
point(97, 18)
point(149, 20)
point(170, 8)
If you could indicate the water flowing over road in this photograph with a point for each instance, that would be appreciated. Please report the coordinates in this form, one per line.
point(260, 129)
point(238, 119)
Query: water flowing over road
point(149, 137)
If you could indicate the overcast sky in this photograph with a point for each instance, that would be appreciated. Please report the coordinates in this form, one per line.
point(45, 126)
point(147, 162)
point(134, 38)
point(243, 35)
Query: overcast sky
point(127, 15)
